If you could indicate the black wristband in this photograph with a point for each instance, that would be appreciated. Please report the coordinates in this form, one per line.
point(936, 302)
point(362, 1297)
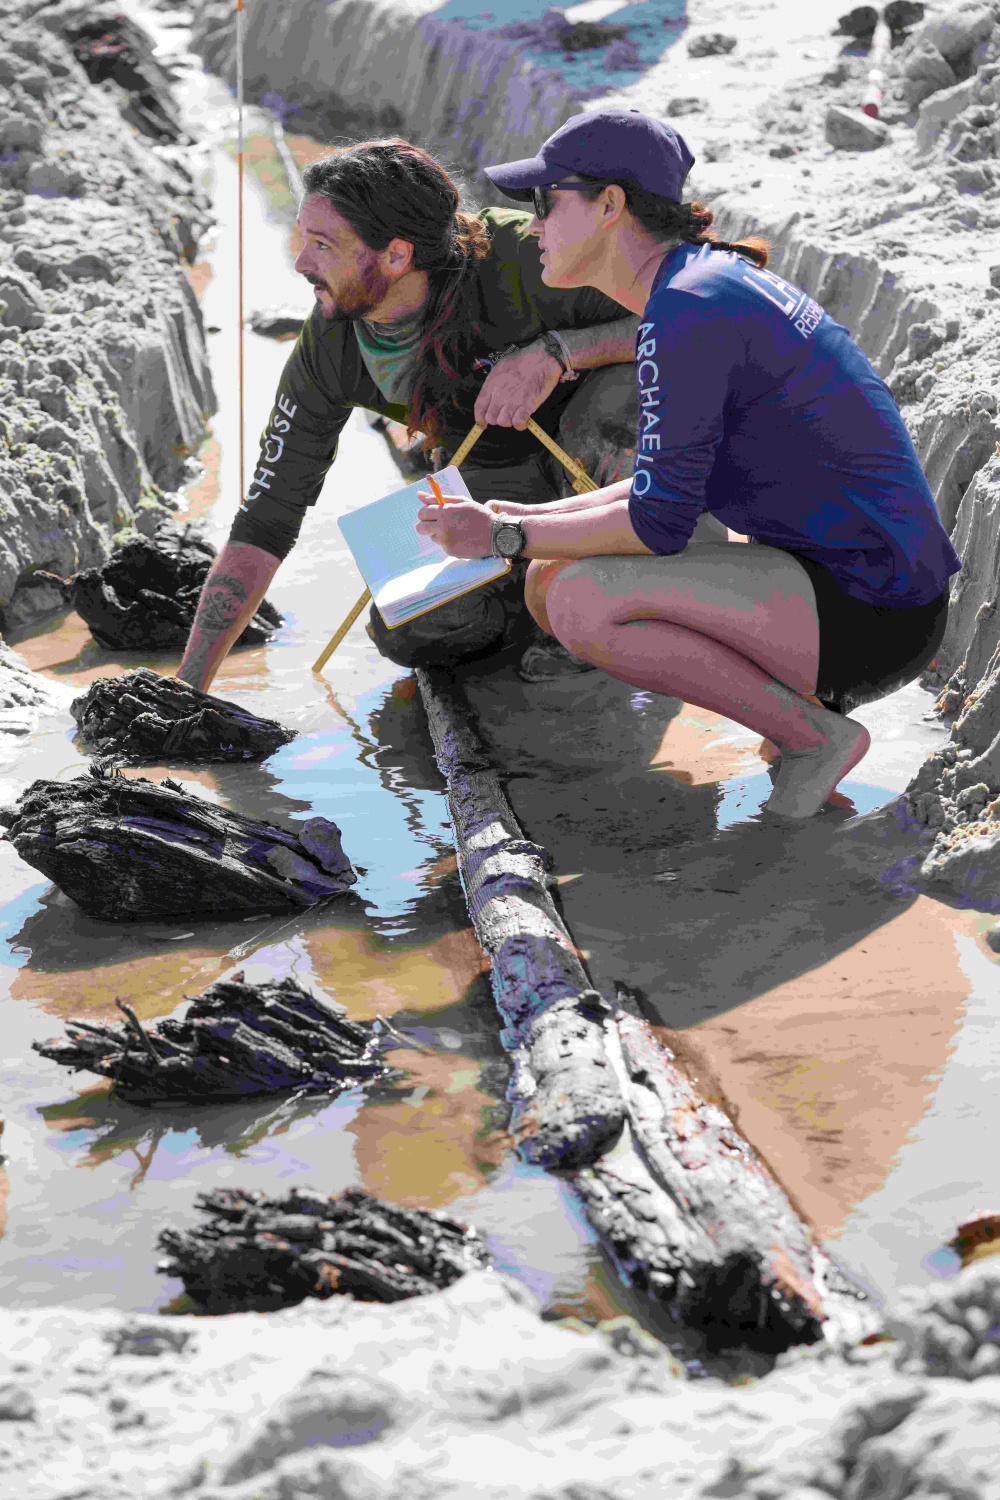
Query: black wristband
point(554, 345)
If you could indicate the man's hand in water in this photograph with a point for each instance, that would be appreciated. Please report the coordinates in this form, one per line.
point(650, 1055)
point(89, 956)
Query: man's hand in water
point(516, 387)
point(461, 527)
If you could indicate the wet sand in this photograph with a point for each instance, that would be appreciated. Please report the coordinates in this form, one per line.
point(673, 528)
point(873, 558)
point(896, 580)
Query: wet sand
point(835, 1018)
point(825, 1010)
point(92, 1180)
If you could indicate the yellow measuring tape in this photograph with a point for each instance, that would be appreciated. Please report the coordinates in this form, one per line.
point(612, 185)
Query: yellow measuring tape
point(579, 478)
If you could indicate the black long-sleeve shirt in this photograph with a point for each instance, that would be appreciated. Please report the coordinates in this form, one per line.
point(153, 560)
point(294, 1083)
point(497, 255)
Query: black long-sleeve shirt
point(326, 377)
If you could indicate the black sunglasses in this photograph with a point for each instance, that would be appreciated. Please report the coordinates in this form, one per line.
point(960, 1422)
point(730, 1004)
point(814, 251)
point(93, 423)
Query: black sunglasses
point(542, 203)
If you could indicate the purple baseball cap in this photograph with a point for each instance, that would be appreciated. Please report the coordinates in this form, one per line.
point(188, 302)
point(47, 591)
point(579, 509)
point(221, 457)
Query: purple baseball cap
point(609, 143)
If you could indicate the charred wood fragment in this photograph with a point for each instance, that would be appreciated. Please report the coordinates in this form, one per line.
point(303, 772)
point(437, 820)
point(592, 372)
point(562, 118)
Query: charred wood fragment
point(277, 322)
point(126, 848)
point(235, 1039)
point(145, 596)
point(690, 1212)
point(255, 1254)
point(112, 47)
point(141, 714)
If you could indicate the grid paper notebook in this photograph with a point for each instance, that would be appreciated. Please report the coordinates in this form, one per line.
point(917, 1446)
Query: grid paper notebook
point(408, 574)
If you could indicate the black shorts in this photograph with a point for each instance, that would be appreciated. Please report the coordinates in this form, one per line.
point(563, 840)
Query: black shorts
point(869, 650)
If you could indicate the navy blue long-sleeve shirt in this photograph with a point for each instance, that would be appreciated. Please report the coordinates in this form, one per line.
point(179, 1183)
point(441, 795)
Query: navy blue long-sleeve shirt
point(756, 406)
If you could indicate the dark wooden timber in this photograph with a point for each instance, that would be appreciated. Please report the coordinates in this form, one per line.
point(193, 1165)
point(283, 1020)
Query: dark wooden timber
point(688, 1209)
point(144, 597)
point(277, 322)
point(125, 848)
point(111, 47)
point(254, 1253)
point(141, 715)
point(235, 1039)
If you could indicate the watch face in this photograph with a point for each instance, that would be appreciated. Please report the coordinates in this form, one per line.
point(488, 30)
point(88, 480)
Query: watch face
point(510, 540)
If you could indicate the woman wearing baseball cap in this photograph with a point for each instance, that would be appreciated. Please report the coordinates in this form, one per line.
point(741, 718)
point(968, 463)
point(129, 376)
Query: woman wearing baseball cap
point(754, 405)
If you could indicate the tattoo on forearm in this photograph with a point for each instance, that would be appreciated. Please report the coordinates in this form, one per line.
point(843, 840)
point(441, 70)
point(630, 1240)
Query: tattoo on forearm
point(220, 604)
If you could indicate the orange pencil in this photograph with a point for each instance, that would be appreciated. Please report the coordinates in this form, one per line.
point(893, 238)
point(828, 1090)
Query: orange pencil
point(438, 492)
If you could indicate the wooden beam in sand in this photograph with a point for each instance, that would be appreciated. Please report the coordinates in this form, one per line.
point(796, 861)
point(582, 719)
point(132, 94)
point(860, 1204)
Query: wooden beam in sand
point(689, 1211)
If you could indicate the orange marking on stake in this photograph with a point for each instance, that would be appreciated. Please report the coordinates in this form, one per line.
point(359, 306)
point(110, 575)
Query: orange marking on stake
point(240, 172)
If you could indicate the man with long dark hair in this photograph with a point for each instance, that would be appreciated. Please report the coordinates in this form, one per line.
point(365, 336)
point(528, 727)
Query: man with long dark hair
point(415, 299)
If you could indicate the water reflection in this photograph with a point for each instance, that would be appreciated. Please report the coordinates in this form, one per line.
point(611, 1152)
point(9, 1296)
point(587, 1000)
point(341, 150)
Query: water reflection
point(75, 965)
point(440, 1141)
point(654, 26)
point(344, 771)
point(429, 1133)
point(745, 796)
point(95, 1128)
point(400, 947)
point(407, 909)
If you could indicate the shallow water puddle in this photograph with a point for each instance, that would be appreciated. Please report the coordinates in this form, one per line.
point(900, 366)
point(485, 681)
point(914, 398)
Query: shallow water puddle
point(401, 948)
point(743, 797)
point(700, 748)
point(833, 1069)
point(841, 1023)
point(93, 1179)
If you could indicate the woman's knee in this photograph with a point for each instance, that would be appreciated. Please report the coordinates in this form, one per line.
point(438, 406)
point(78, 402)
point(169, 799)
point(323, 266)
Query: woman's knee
point(578, 604)
point(538, 581)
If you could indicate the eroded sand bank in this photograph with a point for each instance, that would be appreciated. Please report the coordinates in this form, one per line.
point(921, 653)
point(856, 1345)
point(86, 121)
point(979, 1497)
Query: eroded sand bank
point(848, 1025)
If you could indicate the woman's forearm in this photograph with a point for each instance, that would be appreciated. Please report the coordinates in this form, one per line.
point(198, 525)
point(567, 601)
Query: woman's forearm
point(598, 526)
point(590, 531)
point(592, 501)
point(610, 495)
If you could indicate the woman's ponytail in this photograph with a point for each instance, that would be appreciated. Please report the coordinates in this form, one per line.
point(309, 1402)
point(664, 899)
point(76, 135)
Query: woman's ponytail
point(689, 222)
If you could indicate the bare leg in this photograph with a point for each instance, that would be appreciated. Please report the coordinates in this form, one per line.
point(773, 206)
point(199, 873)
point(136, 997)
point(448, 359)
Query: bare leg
point(730, 629)
point(536, 585)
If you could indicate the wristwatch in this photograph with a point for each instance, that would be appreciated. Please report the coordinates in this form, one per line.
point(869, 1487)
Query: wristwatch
point(507, 538)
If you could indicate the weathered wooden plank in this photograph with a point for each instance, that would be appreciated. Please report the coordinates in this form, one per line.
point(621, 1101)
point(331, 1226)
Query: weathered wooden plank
point(141, 714)
point(235, 1039)
point(690, 1212)
point(568, 1106)
point(254, 1253)
point(125, 848)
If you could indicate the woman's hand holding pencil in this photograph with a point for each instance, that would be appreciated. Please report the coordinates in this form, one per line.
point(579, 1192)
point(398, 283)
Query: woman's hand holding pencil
point(465, 531)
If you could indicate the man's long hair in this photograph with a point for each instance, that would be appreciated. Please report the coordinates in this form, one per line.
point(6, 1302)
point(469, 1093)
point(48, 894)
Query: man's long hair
point(389, 190)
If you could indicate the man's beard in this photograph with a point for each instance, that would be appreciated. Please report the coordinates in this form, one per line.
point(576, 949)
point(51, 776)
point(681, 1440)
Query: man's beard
point(359, 296)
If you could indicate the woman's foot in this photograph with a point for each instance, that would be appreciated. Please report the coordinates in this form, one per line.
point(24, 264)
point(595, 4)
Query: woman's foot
point(806, 778)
